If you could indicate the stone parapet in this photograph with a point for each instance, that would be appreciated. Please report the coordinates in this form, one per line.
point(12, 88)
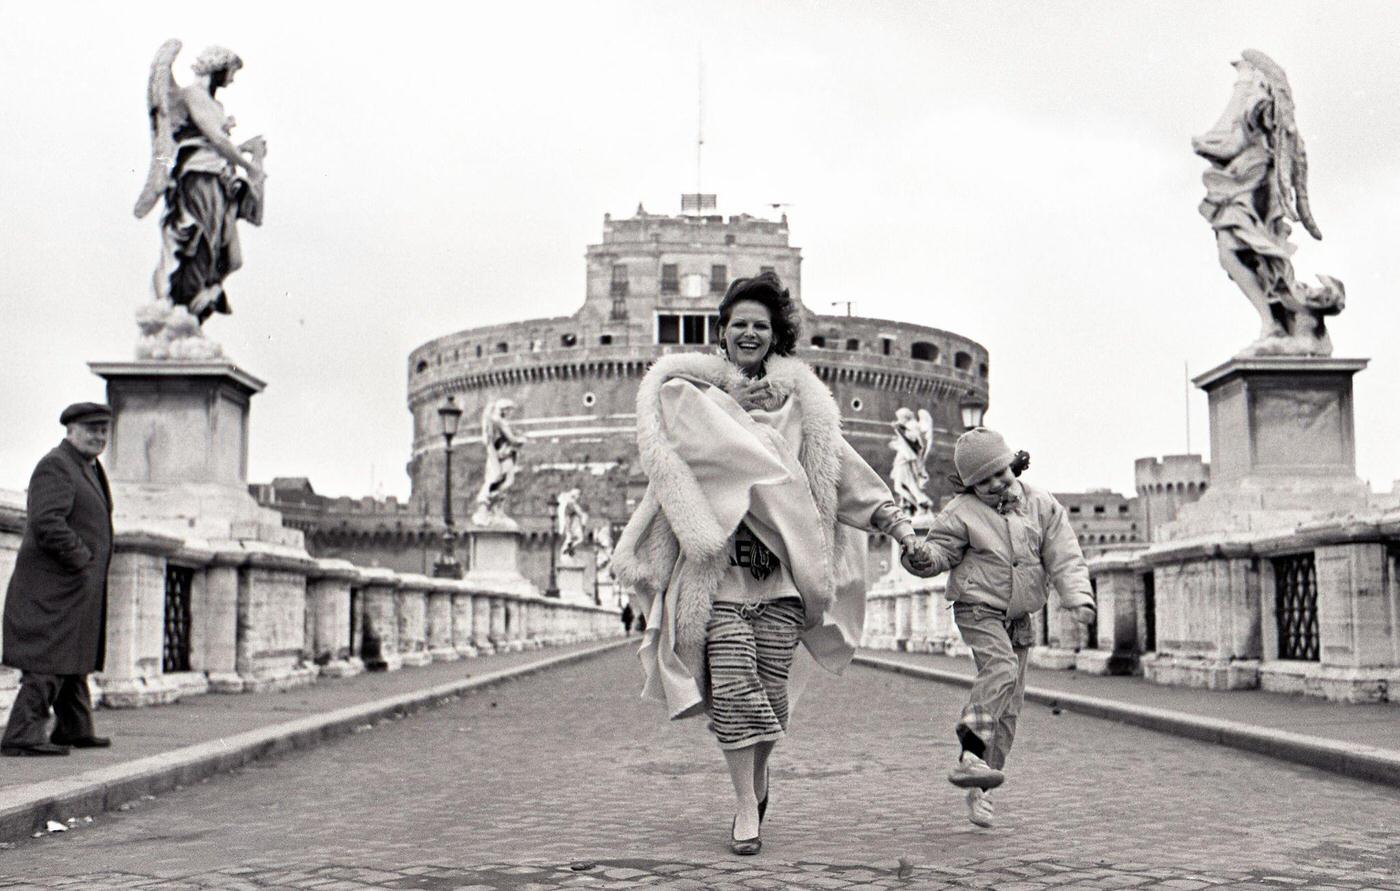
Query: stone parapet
point(190, 615)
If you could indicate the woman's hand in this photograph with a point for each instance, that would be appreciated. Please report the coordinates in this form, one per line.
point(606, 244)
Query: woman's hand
point(752, 394)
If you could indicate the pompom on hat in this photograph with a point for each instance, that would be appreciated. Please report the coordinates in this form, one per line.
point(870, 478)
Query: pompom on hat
point(981, 453)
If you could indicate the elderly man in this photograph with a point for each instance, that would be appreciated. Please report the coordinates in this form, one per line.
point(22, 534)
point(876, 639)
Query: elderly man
point(56, 606)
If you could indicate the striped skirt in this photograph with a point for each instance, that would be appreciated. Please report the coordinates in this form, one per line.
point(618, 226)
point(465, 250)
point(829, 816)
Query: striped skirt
point(749, 648)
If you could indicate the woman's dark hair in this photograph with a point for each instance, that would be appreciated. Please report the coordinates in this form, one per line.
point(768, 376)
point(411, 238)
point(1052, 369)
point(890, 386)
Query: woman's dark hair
point(766, 288)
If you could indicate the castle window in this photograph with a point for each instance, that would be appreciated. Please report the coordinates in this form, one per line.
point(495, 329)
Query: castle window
point(668, 328)
point(982, 370)
point(422, 366)
point(962, 361)
point(478, 351)
point(503, 347)
point(1074, 508)
point(568, 340)
point(818, 341)
point(886, 344)
point(1098, 508)
point(719, 279)
point(589, 399)
point(1122, 508)
point(852, 344)
point(924, 352)
point(604, 339)
point(729, 239)
point(670, 278)
point(857, 405)
point(619, 280)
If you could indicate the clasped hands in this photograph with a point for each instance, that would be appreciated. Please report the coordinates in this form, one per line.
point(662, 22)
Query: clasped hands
point(916, 556)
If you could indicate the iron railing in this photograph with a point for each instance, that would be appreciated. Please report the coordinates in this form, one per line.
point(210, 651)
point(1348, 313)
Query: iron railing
point(175, 643)
point(1295, 607)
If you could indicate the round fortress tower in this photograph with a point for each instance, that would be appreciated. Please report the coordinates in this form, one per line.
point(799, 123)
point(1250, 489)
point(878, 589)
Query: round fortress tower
point(1165, 485)
point(653, 284)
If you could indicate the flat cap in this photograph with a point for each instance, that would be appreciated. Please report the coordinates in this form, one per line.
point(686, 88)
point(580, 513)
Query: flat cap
point(85, 411)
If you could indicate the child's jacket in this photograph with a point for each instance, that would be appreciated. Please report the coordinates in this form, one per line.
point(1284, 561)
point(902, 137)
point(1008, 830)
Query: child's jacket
point(1004, 560)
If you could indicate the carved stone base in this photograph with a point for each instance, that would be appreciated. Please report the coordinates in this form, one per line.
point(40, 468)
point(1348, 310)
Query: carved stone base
point(1105, 662)
point(286, 679)
point(158, 690)
point(1335, 684)
point(1056, 658)
point(342, 668)
point(1210, 674)
point(417, 658)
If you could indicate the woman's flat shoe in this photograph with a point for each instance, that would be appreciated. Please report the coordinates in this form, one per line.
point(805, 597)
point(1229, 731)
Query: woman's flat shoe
point(743, 846)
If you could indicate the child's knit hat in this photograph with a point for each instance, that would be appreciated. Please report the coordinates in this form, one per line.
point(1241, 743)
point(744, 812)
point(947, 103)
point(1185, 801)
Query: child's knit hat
point(980, 453)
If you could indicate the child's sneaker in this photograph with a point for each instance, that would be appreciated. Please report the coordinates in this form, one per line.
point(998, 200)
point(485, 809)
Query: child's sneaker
point(979, 808)
point(974, 773)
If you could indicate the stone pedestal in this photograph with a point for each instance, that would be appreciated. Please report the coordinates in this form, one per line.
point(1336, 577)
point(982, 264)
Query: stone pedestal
point(328, 618)
point(411, 613)
point(495, 560)
point(178, 455)
point(439, 633)
point(463, 622)
point(1208, 616)
point(568, 576)
point(1282, 445)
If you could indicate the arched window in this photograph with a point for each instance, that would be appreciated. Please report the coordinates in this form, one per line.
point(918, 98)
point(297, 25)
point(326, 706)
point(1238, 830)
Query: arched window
point(818, 341)
point(421, 367)
point(503, 347)
point(923, 351)
point(982, 370)
point(962, 361)
point(568, 340)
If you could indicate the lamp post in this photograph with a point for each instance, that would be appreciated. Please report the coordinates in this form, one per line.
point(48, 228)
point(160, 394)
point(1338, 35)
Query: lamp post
point(447, 566)
point(553, 588)
point(972, 407)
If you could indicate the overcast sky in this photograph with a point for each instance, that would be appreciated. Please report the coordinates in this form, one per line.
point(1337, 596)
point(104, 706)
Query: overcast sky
point(1020, 173)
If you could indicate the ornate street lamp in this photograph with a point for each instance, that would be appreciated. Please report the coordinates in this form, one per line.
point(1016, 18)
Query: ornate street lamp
point(447, 566)
point(972, 407)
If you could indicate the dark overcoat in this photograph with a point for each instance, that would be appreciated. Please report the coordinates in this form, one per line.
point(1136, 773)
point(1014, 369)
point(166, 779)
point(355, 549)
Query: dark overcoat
point(56, 605)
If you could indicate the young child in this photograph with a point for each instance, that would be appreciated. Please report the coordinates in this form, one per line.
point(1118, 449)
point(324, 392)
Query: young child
point(1003, 541)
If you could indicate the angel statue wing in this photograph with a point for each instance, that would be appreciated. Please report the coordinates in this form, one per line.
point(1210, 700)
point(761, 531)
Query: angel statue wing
point(925, 435)
point(159, 93)
point(488, 416)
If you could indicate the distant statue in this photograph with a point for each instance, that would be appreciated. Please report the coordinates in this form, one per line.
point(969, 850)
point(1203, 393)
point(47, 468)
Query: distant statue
point(913, 438)
point(603, 550)
point(1257, 183)
point(502, 444)
point(208, 183)
point(571, 522)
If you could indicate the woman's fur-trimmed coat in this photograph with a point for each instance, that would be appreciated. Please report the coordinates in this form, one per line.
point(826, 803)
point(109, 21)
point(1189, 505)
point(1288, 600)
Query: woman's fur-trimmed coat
point(673, 552)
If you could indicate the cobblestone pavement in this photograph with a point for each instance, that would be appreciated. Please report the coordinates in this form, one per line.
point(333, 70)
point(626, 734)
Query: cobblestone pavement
point(565, 779)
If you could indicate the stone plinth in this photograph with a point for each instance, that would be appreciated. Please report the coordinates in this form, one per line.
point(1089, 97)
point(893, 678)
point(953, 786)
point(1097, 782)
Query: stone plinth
point(569, 577)
point(133, 674)
point(178, 455)
point(1282, 443)
point(495, 560)
point(440, 618)
point(1118, 590)
point(379, 624)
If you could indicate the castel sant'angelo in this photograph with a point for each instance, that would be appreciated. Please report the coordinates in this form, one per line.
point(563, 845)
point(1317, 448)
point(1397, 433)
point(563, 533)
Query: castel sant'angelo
point(653, 285)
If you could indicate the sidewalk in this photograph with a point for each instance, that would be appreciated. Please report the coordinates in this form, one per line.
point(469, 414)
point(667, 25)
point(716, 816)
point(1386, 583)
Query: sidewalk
point(158, 748)
point(1359, 741)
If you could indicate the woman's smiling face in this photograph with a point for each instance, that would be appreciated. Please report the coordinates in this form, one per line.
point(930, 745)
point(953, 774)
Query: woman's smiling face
point(748, 335)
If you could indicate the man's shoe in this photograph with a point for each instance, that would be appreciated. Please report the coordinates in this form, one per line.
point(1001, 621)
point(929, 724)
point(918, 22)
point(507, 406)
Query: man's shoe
point(82, 742)
point(40, 748)
point(974, 773)
point(979, 808)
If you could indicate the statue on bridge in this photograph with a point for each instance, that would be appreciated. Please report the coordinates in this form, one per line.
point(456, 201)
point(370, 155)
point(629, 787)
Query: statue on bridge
point(502, 444)
point(208, 184)
point(912, 441)
point(571, 522)
point(1257, 183)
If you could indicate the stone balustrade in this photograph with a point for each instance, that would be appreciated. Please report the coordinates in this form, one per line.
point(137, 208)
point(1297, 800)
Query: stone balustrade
point(187, 616)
